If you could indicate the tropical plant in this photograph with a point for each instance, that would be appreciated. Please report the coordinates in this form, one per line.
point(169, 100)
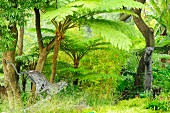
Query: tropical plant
point(77, 46)
point(82, 12)
point(161, 15)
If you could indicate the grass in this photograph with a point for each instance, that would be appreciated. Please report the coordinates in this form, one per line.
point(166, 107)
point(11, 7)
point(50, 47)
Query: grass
point(75, 101)
point(77, 104)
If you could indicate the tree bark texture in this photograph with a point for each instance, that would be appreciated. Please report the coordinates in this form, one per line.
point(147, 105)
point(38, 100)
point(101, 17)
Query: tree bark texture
point(20, 41)
point(76, 63)
point(55, 56)
point(20, 49)
point(43, 50)
point(149, 39)
point(38, 28)
point(138, 83)
point(10, 81)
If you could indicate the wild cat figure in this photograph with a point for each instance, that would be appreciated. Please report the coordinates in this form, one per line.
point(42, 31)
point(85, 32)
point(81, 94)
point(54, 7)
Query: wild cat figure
point(42, 84)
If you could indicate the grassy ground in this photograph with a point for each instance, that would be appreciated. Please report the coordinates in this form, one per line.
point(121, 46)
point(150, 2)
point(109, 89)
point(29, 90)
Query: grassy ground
point(62, 104)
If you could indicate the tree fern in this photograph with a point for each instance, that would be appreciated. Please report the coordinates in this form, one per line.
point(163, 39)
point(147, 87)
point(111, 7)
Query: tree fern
point(100, 6)
point(118, 33)
point(78, 48)
point(87, 7)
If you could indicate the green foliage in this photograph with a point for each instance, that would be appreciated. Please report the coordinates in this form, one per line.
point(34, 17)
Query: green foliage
point(125, 87)
point(161, 103)
point(25, 97)
point(161, 73)
point(158, 63)
point(118, 33)
point(76, 46)
point(6, 39)
point(163, 41)
point(80, 11)
point(162, 13)
point(77, 101)
point(161, 78)
point(12, 12)
point(81, 8)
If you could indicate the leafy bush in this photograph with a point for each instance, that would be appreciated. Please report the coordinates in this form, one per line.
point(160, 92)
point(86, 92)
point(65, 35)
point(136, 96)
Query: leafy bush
point(100, 88)
point(162, 78)
point(161, 102)
point(125, 86)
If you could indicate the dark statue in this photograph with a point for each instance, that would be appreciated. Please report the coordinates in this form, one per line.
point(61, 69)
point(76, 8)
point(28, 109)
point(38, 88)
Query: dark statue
point(148, 68)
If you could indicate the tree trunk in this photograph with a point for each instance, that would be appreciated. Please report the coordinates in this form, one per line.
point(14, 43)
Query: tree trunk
point(20, 50)
point(149, 39)
point(55, 56)
point(40, 64)
point(41, 60)
point(10, 81)
point(43, 52)
point(76, 63)
point(138, 83)
point(24, 82)
point(20, 41)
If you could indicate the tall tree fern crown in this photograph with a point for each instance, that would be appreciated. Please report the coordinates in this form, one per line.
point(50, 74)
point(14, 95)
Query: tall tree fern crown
point(82, 13)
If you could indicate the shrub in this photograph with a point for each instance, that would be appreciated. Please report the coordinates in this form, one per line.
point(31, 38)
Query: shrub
point(161, 102)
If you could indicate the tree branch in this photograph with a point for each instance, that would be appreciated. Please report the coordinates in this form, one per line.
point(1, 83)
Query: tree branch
point(38, 28)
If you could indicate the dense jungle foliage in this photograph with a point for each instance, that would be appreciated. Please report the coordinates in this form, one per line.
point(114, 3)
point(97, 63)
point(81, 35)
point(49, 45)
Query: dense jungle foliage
point(113, 56)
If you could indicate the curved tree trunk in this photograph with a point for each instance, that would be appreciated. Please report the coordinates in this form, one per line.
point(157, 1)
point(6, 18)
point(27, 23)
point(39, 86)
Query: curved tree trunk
point(44, 50)
point(149, 39)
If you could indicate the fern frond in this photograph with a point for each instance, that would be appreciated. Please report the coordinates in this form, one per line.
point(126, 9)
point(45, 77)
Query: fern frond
point(155, 6)
point(48, 30)
point(94, 77)
point(76, 47)
point(118, 33)
point(59, 14)
point(87, 7)
point(160, 56)
point(164, 42)
point(106, 5)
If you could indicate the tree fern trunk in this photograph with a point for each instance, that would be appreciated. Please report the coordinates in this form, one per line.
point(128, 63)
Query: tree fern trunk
point(55, 56)
point(76, 65)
